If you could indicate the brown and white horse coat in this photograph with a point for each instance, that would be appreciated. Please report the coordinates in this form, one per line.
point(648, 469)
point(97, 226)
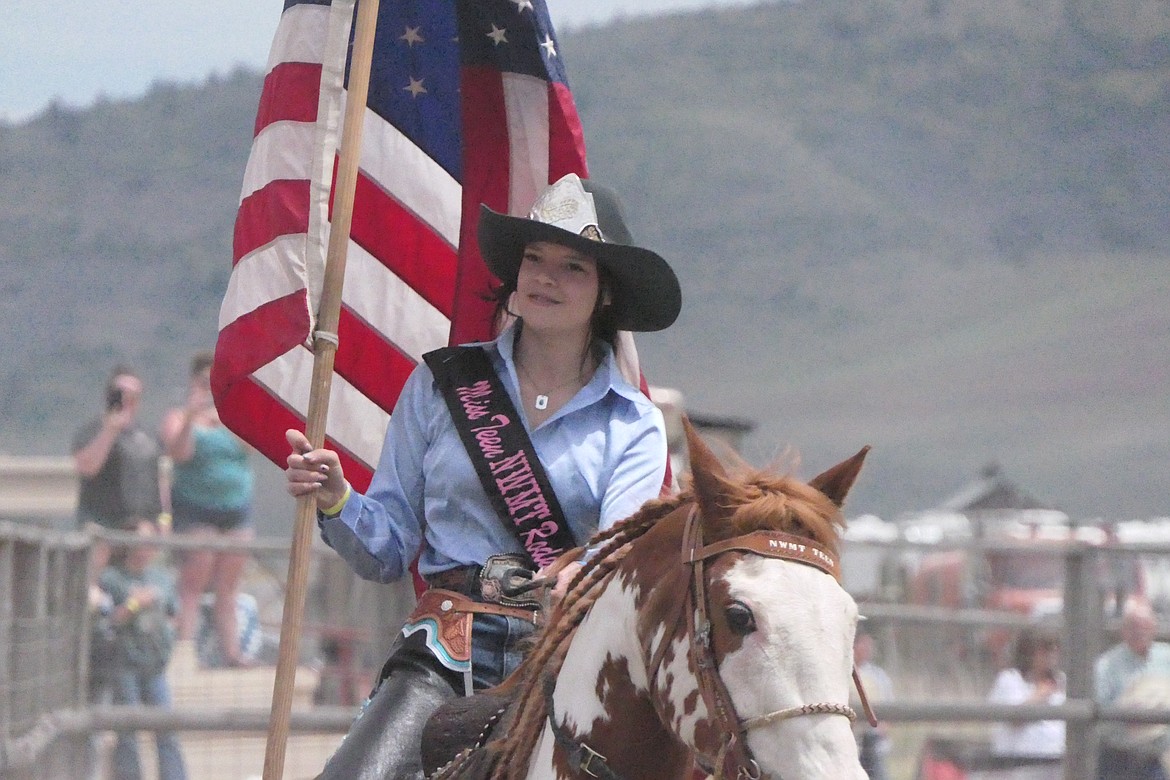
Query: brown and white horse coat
point(627, 699)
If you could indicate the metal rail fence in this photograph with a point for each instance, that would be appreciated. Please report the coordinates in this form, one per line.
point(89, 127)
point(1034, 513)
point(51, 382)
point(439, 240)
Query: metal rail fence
point(47, 721)
point(43, 650)
point(937, 653)
point(49, 727)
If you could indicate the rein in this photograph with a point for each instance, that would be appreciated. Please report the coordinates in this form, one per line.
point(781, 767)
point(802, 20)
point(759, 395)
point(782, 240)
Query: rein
point(735, 754)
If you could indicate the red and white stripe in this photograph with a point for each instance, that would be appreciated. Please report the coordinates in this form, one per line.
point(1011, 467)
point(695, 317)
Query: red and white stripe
point(413, 280)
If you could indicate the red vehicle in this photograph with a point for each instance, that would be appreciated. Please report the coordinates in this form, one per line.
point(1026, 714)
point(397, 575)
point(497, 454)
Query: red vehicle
point(950, 758)
point(1021, 569)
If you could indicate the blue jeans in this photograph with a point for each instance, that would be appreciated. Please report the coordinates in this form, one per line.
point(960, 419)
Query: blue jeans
point(1115, 764)
point(874, 748)
point(495, 652)
point(132, 687)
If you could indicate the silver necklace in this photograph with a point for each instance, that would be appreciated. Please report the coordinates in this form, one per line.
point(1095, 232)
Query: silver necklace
point(540, 403)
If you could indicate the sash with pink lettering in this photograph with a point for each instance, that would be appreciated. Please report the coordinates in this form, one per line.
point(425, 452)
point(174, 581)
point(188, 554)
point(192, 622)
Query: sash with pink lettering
point(501, 451)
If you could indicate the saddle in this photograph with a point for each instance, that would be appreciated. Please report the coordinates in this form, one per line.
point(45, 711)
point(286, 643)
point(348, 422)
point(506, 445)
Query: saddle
point(455, 734)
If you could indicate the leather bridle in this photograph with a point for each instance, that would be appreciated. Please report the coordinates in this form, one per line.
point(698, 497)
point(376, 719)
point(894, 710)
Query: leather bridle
point(735, 759)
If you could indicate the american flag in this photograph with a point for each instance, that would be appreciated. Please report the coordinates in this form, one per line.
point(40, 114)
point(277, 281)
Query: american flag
point(468, 104)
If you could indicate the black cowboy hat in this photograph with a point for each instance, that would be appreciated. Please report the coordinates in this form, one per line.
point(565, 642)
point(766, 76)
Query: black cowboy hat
point(587, 217)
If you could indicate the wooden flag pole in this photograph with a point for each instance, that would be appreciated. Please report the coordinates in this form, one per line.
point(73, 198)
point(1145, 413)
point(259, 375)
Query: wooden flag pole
point(324, 350)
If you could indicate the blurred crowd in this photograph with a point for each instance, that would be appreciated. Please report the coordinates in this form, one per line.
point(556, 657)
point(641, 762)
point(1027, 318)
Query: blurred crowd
point(189, 475)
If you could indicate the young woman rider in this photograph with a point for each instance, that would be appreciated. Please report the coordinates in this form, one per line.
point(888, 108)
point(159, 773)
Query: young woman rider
point(572, 279)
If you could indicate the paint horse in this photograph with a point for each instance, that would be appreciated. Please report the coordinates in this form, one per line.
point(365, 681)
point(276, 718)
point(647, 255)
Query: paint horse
point(709, 628)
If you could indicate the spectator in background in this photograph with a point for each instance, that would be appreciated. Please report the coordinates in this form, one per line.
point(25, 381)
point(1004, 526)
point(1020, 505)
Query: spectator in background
point(140, 607)
point(211, 497)
point(118, 465)
point(1033, 678)
point(1134, 672)
point(873, 744)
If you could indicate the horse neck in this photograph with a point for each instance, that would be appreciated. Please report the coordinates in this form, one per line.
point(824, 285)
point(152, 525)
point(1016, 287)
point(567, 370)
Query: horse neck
point(665, 580)
point(604, 691)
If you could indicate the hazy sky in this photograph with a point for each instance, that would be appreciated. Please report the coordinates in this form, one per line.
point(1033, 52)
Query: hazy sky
point(76, 50)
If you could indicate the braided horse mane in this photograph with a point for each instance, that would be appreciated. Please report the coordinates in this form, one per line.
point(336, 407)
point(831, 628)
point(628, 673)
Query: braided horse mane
point(746, 501)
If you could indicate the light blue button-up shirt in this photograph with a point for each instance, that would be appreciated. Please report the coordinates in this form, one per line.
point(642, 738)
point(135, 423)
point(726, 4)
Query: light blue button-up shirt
point(604, 453)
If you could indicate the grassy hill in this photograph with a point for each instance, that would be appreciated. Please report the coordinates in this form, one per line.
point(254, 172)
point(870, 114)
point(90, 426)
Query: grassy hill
point(935, 227)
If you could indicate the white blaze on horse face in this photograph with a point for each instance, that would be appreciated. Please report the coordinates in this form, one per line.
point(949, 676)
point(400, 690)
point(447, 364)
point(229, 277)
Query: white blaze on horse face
point(801, 653)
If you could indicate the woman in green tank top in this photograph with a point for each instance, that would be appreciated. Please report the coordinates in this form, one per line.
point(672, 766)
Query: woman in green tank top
point(211, 497)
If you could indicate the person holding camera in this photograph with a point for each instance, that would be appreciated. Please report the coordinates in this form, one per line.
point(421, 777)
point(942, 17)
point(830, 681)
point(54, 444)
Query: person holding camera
point(117, 461)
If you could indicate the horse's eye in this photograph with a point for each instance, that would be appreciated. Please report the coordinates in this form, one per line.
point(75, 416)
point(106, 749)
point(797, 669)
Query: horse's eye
point(740, 619)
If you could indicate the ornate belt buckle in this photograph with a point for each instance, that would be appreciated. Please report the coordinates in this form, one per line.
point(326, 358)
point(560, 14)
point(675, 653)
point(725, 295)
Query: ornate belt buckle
point(505, 574)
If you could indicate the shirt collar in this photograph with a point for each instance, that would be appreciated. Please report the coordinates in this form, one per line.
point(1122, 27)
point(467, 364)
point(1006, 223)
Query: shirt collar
point(607, 377)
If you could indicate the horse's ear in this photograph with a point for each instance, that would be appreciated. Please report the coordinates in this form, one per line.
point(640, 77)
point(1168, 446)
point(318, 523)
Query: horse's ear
point(708, 477)
point(836, 482)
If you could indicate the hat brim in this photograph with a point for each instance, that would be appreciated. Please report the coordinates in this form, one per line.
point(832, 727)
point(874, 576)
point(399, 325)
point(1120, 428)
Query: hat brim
point(646, 297)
